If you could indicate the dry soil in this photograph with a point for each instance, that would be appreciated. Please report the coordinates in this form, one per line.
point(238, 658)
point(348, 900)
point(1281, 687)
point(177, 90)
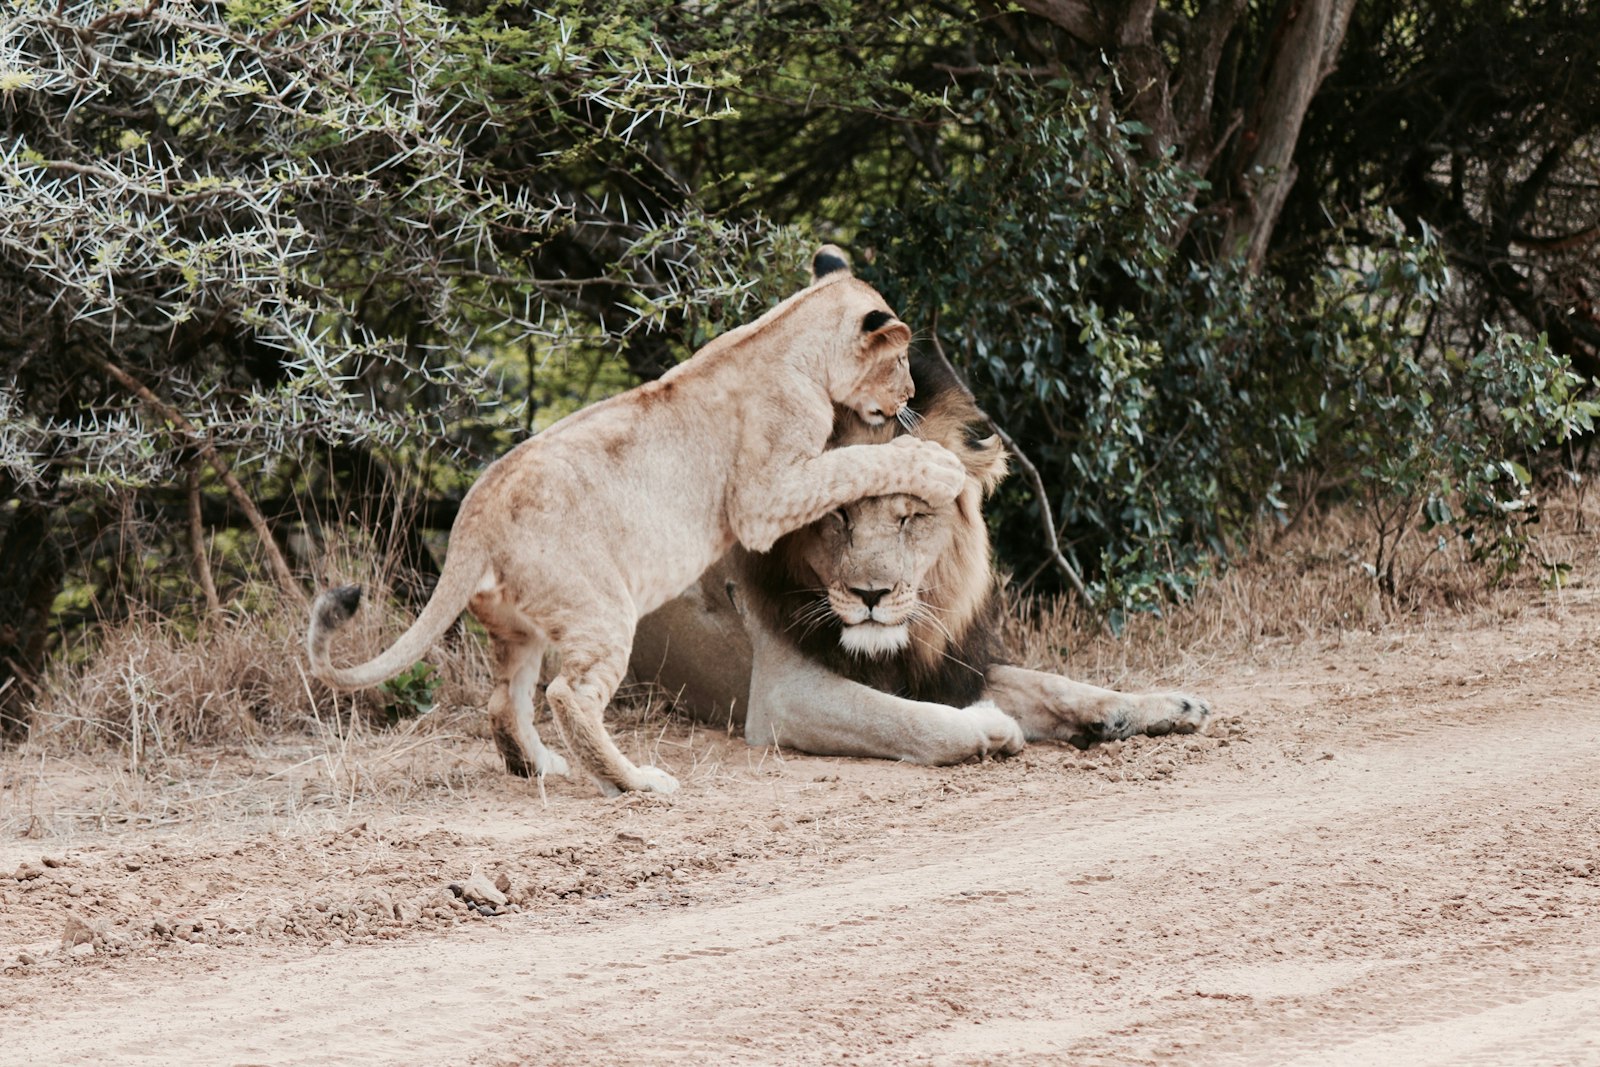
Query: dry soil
point(1387, 851)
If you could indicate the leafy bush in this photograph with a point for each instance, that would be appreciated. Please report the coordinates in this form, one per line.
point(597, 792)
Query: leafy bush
point(1170, 404)
point(1429, 441)
point(1142, 384)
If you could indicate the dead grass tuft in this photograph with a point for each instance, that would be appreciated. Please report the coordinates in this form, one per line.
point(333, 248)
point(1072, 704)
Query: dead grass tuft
point(1306, 585)
point(151, 685)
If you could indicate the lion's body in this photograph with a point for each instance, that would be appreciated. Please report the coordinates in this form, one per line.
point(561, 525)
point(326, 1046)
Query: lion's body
point(873, 631)
point(572, 536)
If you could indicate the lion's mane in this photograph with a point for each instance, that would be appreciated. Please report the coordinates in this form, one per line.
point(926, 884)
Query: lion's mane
point(949, 654)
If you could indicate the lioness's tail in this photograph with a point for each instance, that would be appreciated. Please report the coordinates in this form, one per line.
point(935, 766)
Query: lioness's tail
point(334, 607)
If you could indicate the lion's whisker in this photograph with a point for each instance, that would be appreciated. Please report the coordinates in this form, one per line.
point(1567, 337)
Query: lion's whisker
point(944, 653)
point(918, 614)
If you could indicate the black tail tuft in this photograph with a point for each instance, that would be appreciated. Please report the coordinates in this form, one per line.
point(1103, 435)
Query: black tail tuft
point(336, 606)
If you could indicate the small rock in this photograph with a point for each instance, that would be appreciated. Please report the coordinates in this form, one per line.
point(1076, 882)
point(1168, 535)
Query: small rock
point(28, 872)
point(502, 882)
point(132, 865)
point(27, 959)
point(75, 889)
point(631, 842)
point(479, 890)
point(77, 932)
point(82, 951)
point(51, 861)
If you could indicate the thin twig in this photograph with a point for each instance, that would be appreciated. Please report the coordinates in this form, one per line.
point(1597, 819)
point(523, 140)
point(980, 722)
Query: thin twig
point(280, 567)
point(1046, 512)
point(197, 545)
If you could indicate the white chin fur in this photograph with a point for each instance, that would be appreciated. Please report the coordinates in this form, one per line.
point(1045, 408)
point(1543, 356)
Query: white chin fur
point(874, 639)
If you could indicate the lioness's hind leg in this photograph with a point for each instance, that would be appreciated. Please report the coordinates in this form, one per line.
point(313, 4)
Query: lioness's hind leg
point(591, 669)
point(516, 666)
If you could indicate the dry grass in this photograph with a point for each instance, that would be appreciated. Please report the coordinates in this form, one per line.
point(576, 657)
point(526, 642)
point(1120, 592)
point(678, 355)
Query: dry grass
point(149, 685)
point(1304, 586)
point(220, 723)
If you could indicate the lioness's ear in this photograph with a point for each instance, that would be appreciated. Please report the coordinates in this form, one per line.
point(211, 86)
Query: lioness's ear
point(830, 259)
point(881, 327)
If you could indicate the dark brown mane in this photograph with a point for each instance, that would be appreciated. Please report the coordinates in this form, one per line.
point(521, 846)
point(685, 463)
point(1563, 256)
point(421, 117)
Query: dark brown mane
point(946, 669)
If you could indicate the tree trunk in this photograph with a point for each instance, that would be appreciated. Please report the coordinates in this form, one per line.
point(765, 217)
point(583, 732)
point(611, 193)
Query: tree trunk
point(1304, 46)
point(31, 573)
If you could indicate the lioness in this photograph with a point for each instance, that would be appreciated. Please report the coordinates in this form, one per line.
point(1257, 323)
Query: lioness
point(873, 632)
point(573, 535)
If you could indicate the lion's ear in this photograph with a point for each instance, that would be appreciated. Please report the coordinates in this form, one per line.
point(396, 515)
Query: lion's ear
point(985, 460)
point(830, 259)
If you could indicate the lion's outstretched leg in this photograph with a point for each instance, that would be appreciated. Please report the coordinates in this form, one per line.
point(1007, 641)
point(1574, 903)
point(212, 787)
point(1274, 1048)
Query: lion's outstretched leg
point(1055, 707)
point(517, 661)
point(592, 666)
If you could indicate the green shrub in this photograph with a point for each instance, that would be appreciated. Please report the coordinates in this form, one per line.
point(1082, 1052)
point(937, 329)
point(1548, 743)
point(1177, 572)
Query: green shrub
point(1171, 404)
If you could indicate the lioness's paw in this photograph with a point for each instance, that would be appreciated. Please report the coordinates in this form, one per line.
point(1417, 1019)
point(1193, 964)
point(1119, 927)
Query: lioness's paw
point(1173, 713)
point(520, 763)
point(547, 762)
point(936, 472)
point(656, 780)
point(1000, 734)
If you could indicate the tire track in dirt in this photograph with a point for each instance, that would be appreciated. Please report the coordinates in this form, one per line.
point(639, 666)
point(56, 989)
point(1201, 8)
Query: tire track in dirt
point(1355, 910)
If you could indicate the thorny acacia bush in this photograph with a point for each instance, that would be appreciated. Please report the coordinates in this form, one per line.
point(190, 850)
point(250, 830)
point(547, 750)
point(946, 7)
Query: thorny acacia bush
point(1170, 405)
point(319, 234)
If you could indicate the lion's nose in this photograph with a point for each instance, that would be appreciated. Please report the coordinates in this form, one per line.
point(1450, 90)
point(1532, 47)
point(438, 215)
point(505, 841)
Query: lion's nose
point(869, 597)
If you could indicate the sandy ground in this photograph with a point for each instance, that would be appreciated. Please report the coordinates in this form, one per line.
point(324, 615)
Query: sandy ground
point(1386, 852)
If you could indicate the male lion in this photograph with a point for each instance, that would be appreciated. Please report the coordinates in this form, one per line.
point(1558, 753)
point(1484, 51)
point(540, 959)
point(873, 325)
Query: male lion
point(573, 535)
point(873, 632)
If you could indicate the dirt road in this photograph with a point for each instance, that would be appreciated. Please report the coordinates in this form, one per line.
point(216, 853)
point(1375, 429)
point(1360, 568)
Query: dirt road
point(1387, 852)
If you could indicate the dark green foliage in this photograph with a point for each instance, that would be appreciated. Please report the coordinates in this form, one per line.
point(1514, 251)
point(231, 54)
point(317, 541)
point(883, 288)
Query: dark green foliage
point(1436, 442)
point(411, 692)
point(1168, 402)
point(1142, 384)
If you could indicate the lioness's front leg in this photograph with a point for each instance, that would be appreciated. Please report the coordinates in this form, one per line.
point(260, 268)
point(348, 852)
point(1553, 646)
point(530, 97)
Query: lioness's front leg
point(796, 705)
point(1055, 707)
point(764, 507)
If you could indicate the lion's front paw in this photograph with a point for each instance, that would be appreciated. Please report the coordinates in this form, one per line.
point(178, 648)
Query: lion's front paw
point(1173, 713)
point(999, 733)
point(1113, 724)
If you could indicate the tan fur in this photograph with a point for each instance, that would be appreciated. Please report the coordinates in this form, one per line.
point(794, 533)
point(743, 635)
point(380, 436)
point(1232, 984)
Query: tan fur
point(938, 578)
point(572, 536)
point(910, 545)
